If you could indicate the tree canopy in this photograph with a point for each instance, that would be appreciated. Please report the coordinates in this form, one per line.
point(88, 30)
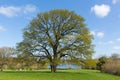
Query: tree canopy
point(57, 34)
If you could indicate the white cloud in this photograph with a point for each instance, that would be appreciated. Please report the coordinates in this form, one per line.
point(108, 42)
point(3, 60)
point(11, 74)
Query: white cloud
point(115, 1)
point(11, 11)
point(2, 29)
point(107, 42)
point(97, 34)
point(29, 8)
point(110, 42)
point(92, 33)
point(101, 10)
point(116, 47)
point(100, 34)
point(118, 39)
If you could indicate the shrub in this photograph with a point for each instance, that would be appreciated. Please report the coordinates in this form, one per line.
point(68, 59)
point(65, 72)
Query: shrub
point(112, 66)
point(90, 64)
point(101, 61)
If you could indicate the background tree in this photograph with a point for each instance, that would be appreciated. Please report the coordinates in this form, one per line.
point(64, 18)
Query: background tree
point(90, 64)
point(115, 56)
point(5, 56)
point(55, 34)
point(101, 61)
point(112, 65)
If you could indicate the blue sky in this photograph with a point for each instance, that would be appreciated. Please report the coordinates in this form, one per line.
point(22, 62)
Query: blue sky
point(102, 18)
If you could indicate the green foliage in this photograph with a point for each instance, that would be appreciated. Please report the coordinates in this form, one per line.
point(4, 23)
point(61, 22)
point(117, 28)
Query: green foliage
point(90, 64)
point(101, 61)
point(60, 75)
point(55, 34)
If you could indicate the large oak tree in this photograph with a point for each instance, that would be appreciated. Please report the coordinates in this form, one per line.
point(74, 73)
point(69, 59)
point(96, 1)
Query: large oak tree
point(56, 34)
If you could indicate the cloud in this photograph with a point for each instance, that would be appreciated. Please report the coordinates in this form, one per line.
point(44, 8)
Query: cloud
point(107, 42)
point(115, 1)
point(2, 29)
point(110, 42)
point(92, 33)
point(97, 34)
point(11, 11)
point(29, 8)
point(100, 34)
point(116, 47)
point(101, 10)
point(118, 39)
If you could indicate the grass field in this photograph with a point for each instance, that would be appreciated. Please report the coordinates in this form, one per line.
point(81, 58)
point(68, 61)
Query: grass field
point(60, 75)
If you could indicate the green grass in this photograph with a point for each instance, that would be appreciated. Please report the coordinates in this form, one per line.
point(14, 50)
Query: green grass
point(60, 75)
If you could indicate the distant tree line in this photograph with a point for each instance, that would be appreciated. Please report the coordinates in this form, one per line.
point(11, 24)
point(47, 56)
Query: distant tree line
point(9, 59)
point(109, 64)
point(105, 64)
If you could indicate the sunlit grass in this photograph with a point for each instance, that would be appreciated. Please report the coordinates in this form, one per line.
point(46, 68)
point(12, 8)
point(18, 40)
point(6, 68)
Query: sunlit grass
point(59, 75)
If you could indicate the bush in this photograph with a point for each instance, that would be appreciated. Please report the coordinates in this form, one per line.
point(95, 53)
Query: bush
point(90, 64)
point(101, 61)
point(112, 66)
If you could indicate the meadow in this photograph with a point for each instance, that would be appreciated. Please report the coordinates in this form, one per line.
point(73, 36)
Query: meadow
point(59, 75)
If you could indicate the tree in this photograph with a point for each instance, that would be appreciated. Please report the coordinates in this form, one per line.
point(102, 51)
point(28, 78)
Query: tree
point(115, 56)
point(90, 64)
point(112, 65)
point(101, 61)
point(56, 34)
point(5, 54)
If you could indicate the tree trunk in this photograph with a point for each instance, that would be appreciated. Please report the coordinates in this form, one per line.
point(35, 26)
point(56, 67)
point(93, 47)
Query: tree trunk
point(53, 68)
